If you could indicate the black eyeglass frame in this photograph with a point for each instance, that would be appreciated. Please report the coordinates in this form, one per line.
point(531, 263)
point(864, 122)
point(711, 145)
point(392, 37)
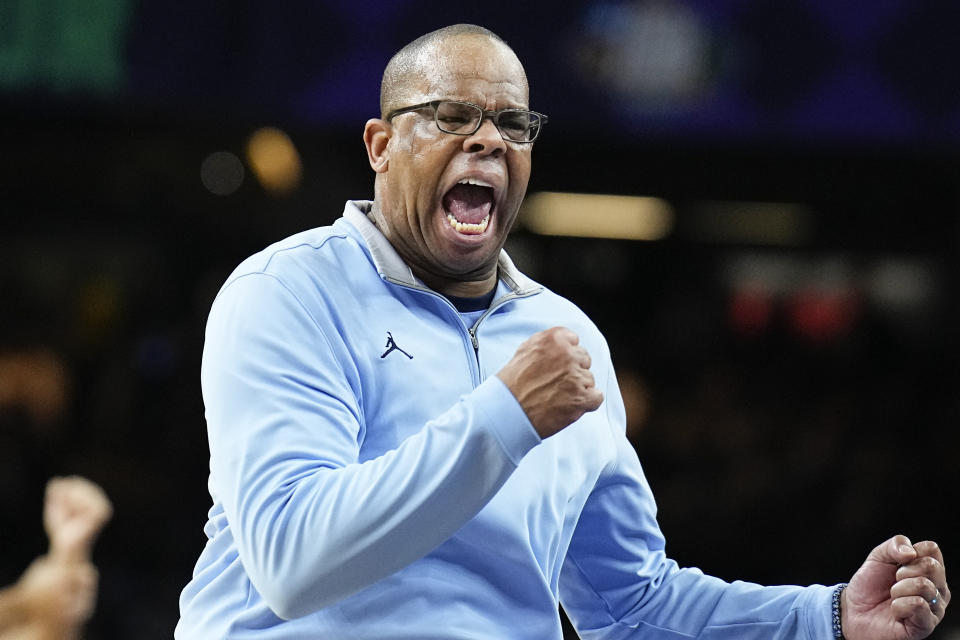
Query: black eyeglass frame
point(484, 114)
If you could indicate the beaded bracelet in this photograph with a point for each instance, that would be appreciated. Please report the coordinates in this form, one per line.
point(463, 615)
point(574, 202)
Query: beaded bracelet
point(837, 626)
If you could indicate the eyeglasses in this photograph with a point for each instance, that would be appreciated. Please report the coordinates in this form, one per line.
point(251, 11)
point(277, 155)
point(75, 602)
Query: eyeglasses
point(465, 118)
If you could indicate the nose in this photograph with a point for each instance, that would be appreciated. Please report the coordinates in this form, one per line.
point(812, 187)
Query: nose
point(486, 140)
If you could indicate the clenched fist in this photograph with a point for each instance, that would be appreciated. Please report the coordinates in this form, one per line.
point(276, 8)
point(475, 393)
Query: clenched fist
point(550, 377)
point(74, 511)
point(899, 593)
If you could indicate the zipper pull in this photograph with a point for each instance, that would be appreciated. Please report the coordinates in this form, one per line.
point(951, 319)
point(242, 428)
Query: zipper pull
point(473, 339)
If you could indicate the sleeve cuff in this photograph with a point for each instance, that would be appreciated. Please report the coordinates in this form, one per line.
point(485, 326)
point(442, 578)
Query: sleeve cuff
point(506, 418)
point(817, 607)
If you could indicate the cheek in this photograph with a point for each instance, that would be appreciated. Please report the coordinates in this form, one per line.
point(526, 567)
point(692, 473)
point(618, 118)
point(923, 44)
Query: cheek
point(430, 162)
point(520, 174)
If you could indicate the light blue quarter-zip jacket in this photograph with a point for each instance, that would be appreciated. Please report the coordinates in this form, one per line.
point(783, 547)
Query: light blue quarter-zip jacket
point(373, 479)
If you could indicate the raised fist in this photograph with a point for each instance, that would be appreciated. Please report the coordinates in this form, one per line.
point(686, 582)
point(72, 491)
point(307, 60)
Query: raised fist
point(550, 377)
point(74, 512)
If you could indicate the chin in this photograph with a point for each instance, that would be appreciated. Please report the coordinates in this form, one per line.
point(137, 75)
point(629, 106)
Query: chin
point(469, 265)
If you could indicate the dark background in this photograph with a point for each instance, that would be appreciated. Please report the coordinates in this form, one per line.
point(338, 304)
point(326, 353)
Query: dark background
point(793, 398)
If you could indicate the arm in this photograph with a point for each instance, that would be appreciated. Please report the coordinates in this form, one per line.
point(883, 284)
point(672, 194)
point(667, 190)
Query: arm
point(13, 609)
point(617, 581)
point(312, 523)
point(52, 599)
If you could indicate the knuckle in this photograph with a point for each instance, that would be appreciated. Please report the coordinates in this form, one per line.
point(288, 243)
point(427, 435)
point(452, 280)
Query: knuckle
point(553, 332)
point(537, 341)
point(927, 548)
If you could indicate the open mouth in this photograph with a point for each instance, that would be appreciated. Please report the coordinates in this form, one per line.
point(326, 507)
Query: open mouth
point(468, 205)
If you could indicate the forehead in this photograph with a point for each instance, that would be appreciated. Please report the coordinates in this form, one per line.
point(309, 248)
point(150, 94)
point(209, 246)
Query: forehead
point(470, 67)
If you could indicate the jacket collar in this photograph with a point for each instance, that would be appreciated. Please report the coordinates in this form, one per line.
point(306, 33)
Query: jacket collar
point(391, 266)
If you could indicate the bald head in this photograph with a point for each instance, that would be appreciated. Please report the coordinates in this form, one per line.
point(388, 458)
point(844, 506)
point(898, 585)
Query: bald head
point(406, 73)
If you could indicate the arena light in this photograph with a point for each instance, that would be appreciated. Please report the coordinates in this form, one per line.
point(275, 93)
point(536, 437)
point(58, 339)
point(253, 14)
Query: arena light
point(597, 216)
point(274, 160)
point(758, 223)
point(221, 173)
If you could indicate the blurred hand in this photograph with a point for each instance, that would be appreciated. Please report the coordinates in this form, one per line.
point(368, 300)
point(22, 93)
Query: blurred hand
point(74, 512)
point(900, 593)
point(550, 377)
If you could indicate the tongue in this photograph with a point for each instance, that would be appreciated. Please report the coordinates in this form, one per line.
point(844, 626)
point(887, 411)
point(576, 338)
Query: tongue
point(468, 203)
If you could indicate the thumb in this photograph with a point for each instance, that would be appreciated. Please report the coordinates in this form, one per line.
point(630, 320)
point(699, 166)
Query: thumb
point(896, 550)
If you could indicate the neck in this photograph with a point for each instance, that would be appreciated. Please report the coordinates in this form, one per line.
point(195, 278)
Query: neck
point(461, 288)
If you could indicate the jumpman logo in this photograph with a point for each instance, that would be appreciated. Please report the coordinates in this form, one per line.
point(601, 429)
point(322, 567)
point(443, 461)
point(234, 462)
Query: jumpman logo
point(392, 346)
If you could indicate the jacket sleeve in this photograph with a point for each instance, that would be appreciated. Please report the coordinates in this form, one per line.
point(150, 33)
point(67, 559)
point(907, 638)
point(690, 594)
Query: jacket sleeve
point(311, 523)
point(618, 583)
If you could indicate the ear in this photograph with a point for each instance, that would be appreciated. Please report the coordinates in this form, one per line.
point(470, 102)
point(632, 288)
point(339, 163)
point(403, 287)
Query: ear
point(376, 135)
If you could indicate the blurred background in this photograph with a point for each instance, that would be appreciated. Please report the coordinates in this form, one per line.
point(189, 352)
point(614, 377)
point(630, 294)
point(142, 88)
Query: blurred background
point(756, 201)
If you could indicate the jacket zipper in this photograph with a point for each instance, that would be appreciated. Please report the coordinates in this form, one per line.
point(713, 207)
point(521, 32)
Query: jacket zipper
point(476, 327)
point(472, 331)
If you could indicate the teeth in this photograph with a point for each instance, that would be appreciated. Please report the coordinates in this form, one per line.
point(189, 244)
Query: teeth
point(466, 227)
point(475, 181)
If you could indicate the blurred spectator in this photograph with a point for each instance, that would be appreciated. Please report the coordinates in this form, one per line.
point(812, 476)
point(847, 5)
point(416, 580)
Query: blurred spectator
point(35, 397)
point(34, 381)
point(56, 595)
